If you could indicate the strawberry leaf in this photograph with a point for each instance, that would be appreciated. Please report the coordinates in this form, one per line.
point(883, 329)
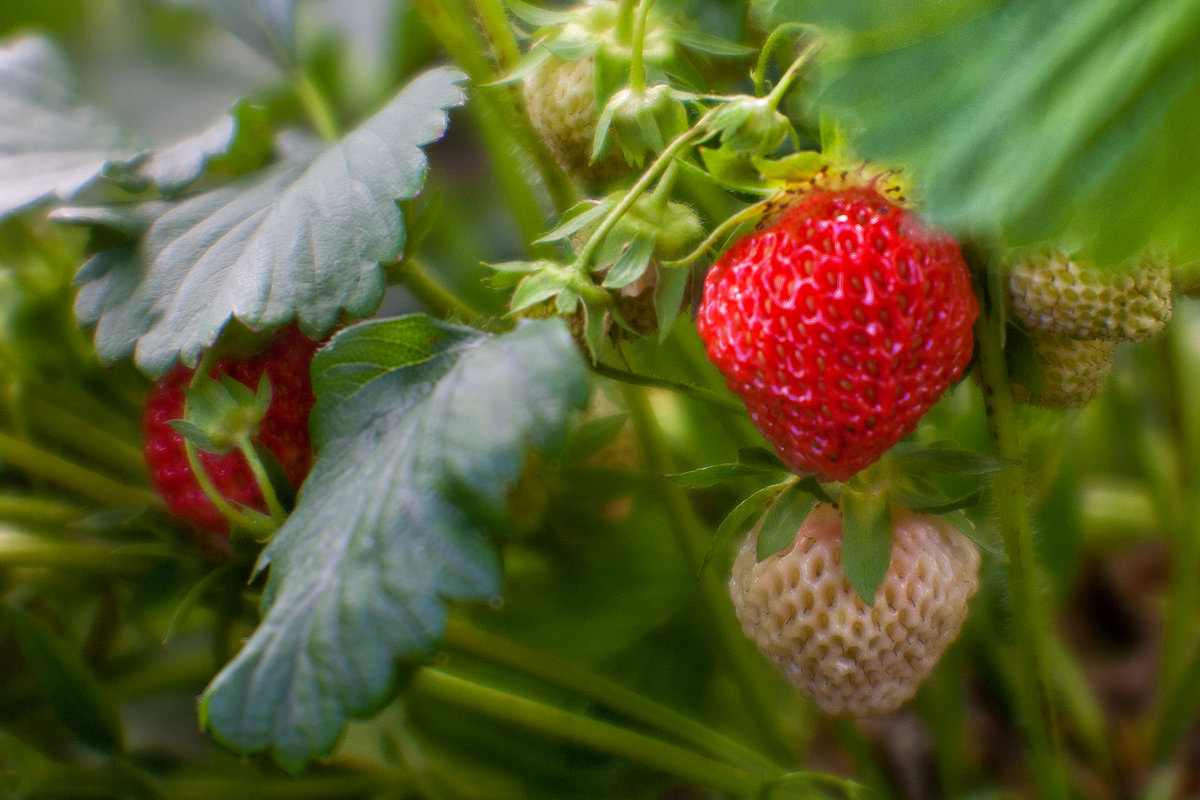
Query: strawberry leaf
point(266, 25)
point(420, 428)
point(1026, 118)
point(866, 541)
point(53, 142)
point(301, 240)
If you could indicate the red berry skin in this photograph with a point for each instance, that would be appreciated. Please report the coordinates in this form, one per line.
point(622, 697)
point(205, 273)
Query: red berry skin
point(283, 431)
point(839, 326)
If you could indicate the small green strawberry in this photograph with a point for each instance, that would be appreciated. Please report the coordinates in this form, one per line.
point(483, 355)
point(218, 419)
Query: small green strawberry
point(850, 658)
point(1056, 293)
point(1070, 372)
point(560, 97)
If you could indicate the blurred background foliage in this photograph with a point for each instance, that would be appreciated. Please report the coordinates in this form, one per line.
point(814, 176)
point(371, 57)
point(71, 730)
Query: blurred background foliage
point(1021, 119)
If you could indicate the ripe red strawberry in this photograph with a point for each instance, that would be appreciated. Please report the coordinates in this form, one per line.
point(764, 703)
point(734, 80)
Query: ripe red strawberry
point(283, 431)
point(800, 609)
point(839, 326)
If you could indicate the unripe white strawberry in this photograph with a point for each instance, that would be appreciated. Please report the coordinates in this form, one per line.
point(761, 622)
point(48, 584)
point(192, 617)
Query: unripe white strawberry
point(1073, 371)
point(800, 609)
point(560, 97)
point(1054, 293)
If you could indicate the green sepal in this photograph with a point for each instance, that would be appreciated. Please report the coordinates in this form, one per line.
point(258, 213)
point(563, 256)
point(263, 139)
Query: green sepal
point(734, 171)
point(538, 287)
point(703, 42)
point(946, 459)
point(784, 517)
point(222, 413)
point(735, 521)
point(538, 17)
point(579, 217)
point(866, 540)
point(632, 263)
point(668, 299)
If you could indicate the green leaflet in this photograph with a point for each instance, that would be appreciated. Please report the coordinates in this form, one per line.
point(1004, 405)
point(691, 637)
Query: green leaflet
point(1027, 119)
point(419, 426)
point(302, 239)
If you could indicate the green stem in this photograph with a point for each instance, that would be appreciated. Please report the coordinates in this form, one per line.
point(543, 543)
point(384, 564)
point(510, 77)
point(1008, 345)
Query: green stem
point(727, 404)
point(93, 485)
point(625, 20)
point(785, 81)
point(274, 507)
point(469, 639)
point(20, 549)
point(42, 511)
point(637, 72)
point(455, 30)
point(435, 297)
point(86, 438)
point(746, 666)
point(747, 213)
point(316, 106)
point(495, 24)
point(698, 133)
point(259, 529)
point(602, 736)
point(1038, 708)
point(764, 56)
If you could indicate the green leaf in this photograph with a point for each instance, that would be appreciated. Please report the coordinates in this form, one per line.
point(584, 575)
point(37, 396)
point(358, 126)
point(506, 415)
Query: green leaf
point(632, 263)
point(266, 25)
point(783, 518)
point(69, 687)
point(420, 427)
point(174, 169)
point(707, 43)
point(301, 240)
point(592, 436)
point(538, 17)
point(866, 541)
point(53, 142)
point(948, 460)
point(1027, 118)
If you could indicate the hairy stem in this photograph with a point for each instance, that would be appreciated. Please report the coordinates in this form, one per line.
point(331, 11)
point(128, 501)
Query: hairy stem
point(466, 638)
point(747, 668)
point(1037, 705)
point(605, 737)
point(637, 72)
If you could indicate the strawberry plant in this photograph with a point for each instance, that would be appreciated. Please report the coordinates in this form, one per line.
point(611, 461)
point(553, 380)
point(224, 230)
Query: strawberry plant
point(624, 398)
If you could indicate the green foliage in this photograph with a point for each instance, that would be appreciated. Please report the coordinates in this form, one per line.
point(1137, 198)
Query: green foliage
point(302, 239)
point(419, 426)
point(1027, 119)
point(63, 142)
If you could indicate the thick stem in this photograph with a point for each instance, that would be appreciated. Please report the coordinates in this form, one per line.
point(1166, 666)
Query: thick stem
point(602, 736)
point(747, 668)
point(495, 25)
point(468, 639)
point(1028, 604)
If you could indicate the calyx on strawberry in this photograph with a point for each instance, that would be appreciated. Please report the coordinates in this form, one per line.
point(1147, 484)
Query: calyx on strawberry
point(800, 609)
point(1057, 293)
point(282, 430)
point(839, 325)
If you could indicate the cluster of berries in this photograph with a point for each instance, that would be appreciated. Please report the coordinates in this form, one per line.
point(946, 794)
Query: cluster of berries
point(1076, 314)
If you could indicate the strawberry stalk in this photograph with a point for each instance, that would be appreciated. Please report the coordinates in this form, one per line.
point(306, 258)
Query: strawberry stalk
point(257, 526)
point(464, 637)
point(602, 736)
point(692, 538)
point(432, 294)
point(1038, 708)
point(499, 33)
point(316, 106)
point(637, 72)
